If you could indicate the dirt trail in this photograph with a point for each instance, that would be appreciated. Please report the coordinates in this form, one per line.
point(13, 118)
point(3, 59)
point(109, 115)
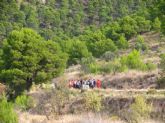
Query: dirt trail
point(29, 118)
point(131, 79)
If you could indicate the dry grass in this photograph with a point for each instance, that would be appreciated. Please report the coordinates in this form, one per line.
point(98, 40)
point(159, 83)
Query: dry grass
point(83, 118)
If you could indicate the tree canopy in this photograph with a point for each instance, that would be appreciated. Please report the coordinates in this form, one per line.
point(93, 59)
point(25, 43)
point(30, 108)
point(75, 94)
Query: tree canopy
point(26, 57)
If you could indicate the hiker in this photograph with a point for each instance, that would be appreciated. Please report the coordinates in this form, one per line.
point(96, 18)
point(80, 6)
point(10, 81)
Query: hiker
point(70, 84)
point(98, 83)
point(74, 83)
point(81, 81)
point(78, 84)
point(94, 82)
point(91, 84)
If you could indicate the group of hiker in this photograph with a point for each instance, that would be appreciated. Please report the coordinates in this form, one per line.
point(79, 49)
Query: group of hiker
point(85, 84)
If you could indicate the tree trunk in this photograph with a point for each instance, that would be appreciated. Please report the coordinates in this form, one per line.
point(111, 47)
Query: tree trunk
point(28, 83)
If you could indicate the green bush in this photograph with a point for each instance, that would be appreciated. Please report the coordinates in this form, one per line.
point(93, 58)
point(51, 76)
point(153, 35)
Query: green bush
point(94, 68)
point(24, 102)
point(7, 114)
point(156, 25)
point(133, 61)
point(106, 68)
point(139, 110)
point(122, 43)
point(113, 67)
point(89, 65)
point(140, 44)
point(150, 66)
point(92, 101)
point(108, 56)
point(103, 46)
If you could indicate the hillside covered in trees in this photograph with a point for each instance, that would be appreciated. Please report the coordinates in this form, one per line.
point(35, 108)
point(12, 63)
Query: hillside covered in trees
point(53, 18)
point(40, 39)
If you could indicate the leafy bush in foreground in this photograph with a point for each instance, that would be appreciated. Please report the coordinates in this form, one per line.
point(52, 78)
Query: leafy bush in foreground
point(24, 102)
point(7, 114)
point(139, 110)
point(92, 101)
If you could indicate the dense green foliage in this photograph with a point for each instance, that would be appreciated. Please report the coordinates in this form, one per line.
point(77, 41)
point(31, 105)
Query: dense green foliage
point(71, 17)
point(27, 58)
point(7, 114)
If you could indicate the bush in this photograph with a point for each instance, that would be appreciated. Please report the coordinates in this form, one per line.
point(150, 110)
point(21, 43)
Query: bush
point(7, 114)
point(156, 25)
point(77, 51)
point(150, 66)
point(122, 43)
point(24, 102)
point(107, 68)
point(108, 56)
point(92, 101)
point(138, 111)
point(140, 44)
point(114, 67)
point(103, 46)
point(133, 61)
point(85, 62)
point(59, 97)
point(94, 68)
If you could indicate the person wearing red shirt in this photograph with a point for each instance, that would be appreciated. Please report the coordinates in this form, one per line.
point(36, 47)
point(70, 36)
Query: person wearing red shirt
point(98, 83)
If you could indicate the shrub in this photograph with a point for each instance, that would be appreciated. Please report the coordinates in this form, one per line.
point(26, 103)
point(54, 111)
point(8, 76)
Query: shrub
point(114, 66)
point(106, 68)
point(85, 62)
point(59, 97)
point(140, 45)
point(7, 114)
point(94, 68)
point(24, 102)
point(133, 61)
point(122, 43)
point(108, 56)
point(150, 66)
point(156, 25)
point(104, 46)
point(77, 51)
point(92, 101)
point(138, 111)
